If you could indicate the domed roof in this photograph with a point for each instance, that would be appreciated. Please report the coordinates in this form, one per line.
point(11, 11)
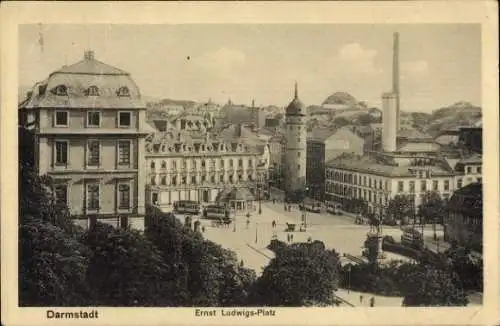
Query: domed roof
point(231, 194)
point(341, 98)
point(296, 107)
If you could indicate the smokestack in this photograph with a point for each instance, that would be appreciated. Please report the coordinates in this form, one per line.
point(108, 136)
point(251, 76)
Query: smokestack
point(389, 133)
point(395, 75)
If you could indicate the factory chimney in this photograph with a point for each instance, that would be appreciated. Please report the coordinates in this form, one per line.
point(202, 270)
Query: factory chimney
point(395, 75)
point(389, 132)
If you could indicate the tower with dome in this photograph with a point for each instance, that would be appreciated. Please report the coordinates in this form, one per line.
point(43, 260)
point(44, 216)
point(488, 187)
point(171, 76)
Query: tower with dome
point(295, 154)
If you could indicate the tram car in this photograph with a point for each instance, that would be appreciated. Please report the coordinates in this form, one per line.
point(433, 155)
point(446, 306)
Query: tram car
point(187, 207)
point(215, 211)
point(333, 208)
point(411, 237)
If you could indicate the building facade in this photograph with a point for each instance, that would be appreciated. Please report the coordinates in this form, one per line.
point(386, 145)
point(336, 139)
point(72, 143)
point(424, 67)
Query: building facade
point(295, 155)
point(324, 145)
point(379, 178)
point(464, 221)
point(90, 126)
point(181, 166)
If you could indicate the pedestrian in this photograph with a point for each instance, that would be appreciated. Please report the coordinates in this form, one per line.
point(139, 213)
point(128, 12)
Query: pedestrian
point(372, 302)
point(248, 222)
point(288, 237)
point(291, 237)
point(274, 200)
point(274, 224)
point(361, 299)
point(203, 229)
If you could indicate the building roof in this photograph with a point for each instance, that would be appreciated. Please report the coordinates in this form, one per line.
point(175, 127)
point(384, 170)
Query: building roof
point(77, 79)
point(468, 199)
point(321, 134)
point(380, 165)
point(296, 107)
point(472, 159)
point(413, 134)
point(234, 194)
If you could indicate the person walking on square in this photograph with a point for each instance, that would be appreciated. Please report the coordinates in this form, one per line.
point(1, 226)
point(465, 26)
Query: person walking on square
point(274, 224)
point(372, 302)
point(291, 237)
point(288, 237)
point(361, 299)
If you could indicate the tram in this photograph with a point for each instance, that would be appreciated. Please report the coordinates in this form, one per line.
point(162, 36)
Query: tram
point(187, 207)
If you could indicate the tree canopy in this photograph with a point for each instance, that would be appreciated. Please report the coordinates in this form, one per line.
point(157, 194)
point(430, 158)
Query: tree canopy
point(432, 208)
point(300, 274)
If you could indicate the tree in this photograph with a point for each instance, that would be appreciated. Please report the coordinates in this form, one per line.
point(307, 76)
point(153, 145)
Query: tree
point(429, 286)
point(400, 208)
point(52, 266)
point(52, 260)
point(300, 274)
point(432, 208)
point(468, 270)
point(201, 273)
point(125, 269)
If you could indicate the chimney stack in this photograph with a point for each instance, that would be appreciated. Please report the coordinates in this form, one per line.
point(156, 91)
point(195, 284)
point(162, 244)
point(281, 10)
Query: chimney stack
point(389, 133)
point(395, 75)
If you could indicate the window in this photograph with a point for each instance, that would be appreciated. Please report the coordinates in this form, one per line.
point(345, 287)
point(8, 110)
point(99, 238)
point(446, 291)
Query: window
point(153, 181)
point(221, 178)
point(446, 185)
point(435, 185)
point(93, 91)
point(250, 163)
point(94, 149)
point(154, 198)
point(412, 186)
point(124, 119)
point(124, 196)
point(163, 164)
point(212, 179)
point(61, 118)
point(184, 180)
point(174, 180)
point(298, 154)
point(240, 163)
point(478, 169)
point(124, 152)
point(61, 194)
point(401, 186)
point(174, 165)
point(203, 178)
point(231, 179)
point(93, 197)
point(423, 185)
point(459, 183)
point(153, 165)
point(298, 166)
point(480, 180)
point(61, 152)
point(60, 90)
point(163, 180)
point(221, 163)
point(193, 179)
point(203, 163)
point(364, 181)
point(231, 163)
point(469, 169)
point(370, 182)
point(123, 91)
point(93, 119)
point(194, 164)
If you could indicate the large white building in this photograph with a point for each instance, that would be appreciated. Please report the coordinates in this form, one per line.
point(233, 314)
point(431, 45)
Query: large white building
point(188, 166)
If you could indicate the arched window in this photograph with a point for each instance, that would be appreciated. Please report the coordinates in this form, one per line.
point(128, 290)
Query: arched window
point(164, 180)
point(60, 90)
point(93, 91)
point(123, 91)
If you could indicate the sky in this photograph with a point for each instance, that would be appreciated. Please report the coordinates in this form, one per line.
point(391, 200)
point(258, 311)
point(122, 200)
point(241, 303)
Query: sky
point(440, 64)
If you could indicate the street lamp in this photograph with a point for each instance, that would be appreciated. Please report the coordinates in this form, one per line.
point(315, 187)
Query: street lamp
point(259, 185)
point(348, 278)
point(256, 228)
point(234, 220)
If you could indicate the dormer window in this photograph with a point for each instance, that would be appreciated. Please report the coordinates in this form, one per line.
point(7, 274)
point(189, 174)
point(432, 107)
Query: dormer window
point(93, 91)
point(60, 90)
point(123, 91)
